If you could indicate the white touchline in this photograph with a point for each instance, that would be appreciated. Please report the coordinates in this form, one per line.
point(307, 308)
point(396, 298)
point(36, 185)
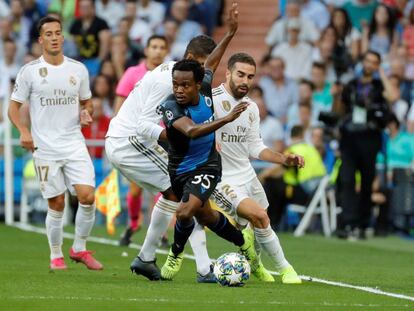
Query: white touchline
point(371, 290)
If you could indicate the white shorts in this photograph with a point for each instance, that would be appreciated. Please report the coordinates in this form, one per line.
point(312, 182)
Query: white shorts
point(228, 197)
point(144, 163)
point(55, 177)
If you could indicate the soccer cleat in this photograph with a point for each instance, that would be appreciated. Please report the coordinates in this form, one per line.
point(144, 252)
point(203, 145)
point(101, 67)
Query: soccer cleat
point(58, 264)
point(262, 274)
point(146, 268)
point(289, 276)
point(248, 250)
point(172, 265)
point(126, 237)
point(207, 278)
point(86, 258)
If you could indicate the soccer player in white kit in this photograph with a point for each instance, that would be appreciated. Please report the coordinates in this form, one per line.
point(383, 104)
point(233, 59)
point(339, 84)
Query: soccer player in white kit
point(57, 91)
point(237, 142)
point(131, 146)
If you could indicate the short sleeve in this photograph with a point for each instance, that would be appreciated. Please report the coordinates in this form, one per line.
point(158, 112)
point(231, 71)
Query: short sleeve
point(84, 90)
point(171, 111)
point(21, 90)
point(206, 84)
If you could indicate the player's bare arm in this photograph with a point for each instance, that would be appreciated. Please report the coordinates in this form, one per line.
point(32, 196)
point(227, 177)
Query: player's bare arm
point(269, 155)
point(86, 112)
point(26, 139)
point(214, 58)
point(190, 129)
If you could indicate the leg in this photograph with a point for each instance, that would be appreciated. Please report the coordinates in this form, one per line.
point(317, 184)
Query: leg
point(134, 203)
point(54, 230)
point(85, 219)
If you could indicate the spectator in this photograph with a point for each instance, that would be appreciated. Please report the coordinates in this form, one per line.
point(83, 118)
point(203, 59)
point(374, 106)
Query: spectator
point(397, 68)
point(8, 64)
point(66, 9)
point(295, 186)
point(111, 11)
point(186, 29)
point(204, 13)
point(5, 33)
point(364, 101)
point(124, 28)
point(155, 52)
point(400, 106)
point(122, 56)
point(140, 29)
point(296, 54)
point(4, 9)
point(278, 32)
point(360, 12)
point(322, 99)
point(103, 89)
point(381, 35)
point(316, 12)
point(348, 36)
point(271, 129)
point(98, 128)
point(280, 92)
point(92, 36)
point(152, 12)
point(306, 88)
point(410, 120)
point(170, 32)
point(108, 69)
point(34, 10)
point(20, 25)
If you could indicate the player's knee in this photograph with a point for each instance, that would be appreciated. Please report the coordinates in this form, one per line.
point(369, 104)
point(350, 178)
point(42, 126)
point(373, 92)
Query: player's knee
point(57, 203)
point(184, 212)
point(261, 219)
point(87, 198)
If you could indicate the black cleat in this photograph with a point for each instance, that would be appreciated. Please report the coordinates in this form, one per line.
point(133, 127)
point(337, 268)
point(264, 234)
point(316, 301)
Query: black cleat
point(146, 268)
point(126, 237)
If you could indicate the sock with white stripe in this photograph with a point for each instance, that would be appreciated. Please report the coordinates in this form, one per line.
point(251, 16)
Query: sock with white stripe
point(54, 230)
point(85, 219)
point(160, 219)
point(199, 245)
point(269, 241)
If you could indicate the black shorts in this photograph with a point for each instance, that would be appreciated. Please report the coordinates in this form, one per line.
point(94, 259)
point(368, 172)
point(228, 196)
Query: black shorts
point(200, 183)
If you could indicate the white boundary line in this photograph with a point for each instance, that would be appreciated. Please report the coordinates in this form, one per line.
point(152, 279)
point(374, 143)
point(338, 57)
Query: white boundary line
point(371, 290)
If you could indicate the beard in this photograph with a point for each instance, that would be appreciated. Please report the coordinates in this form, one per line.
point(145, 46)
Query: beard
point(235, 89)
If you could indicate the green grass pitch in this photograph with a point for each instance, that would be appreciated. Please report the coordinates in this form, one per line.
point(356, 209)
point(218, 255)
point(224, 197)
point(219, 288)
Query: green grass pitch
point(27, 284)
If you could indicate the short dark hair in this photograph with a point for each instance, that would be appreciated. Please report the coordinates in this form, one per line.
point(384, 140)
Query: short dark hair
point(392, 118)
point(47, 19)
point(200, 46)
point(372, 52)
point(297, 131)
point(308, 83)
point(240, 58)
point(155, 37)
point(190, 65)
point(256, 88)
point(319, 65)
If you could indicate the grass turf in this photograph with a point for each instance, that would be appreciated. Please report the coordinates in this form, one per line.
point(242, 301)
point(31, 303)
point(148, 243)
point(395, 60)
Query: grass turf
point(27, 284)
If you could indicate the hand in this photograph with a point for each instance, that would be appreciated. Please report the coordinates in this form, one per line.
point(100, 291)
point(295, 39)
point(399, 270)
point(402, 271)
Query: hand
point(294, 160)
point(85, 118)
point(26, 141)
point(233, 19)
point(237, 111)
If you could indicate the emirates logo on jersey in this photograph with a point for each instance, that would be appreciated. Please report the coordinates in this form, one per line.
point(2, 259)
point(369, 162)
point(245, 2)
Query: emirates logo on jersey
point(226, 105)
point(43, 72)
point(72, 80)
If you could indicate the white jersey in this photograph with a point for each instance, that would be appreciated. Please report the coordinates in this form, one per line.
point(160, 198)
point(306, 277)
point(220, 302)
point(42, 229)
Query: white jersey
point(138, 114)
point(53, 94)
point(238, 140)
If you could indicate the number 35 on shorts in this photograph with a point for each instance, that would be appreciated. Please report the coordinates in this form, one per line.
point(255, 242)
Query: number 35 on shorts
point(204, 180)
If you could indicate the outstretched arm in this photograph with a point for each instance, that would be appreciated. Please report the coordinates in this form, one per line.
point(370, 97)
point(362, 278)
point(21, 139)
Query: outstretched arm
point(214, 58)
point(186, 126)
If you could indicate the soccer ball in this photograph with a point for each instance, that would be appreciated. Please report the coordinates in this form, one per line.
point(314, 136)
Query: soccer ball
point(232, 269)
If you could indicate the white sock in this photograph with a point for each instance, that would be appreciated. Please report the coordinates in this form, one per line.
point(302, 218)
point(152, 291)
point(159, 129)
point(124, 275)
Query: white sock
point(269, 241)
point(160, 219)
point(54, 229)
point(85, 218)
point(199, 245)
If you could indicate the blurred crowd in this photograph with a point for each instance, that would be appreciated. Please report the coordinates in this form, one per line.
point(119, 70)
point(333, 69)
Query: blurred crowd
point(315, 49)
